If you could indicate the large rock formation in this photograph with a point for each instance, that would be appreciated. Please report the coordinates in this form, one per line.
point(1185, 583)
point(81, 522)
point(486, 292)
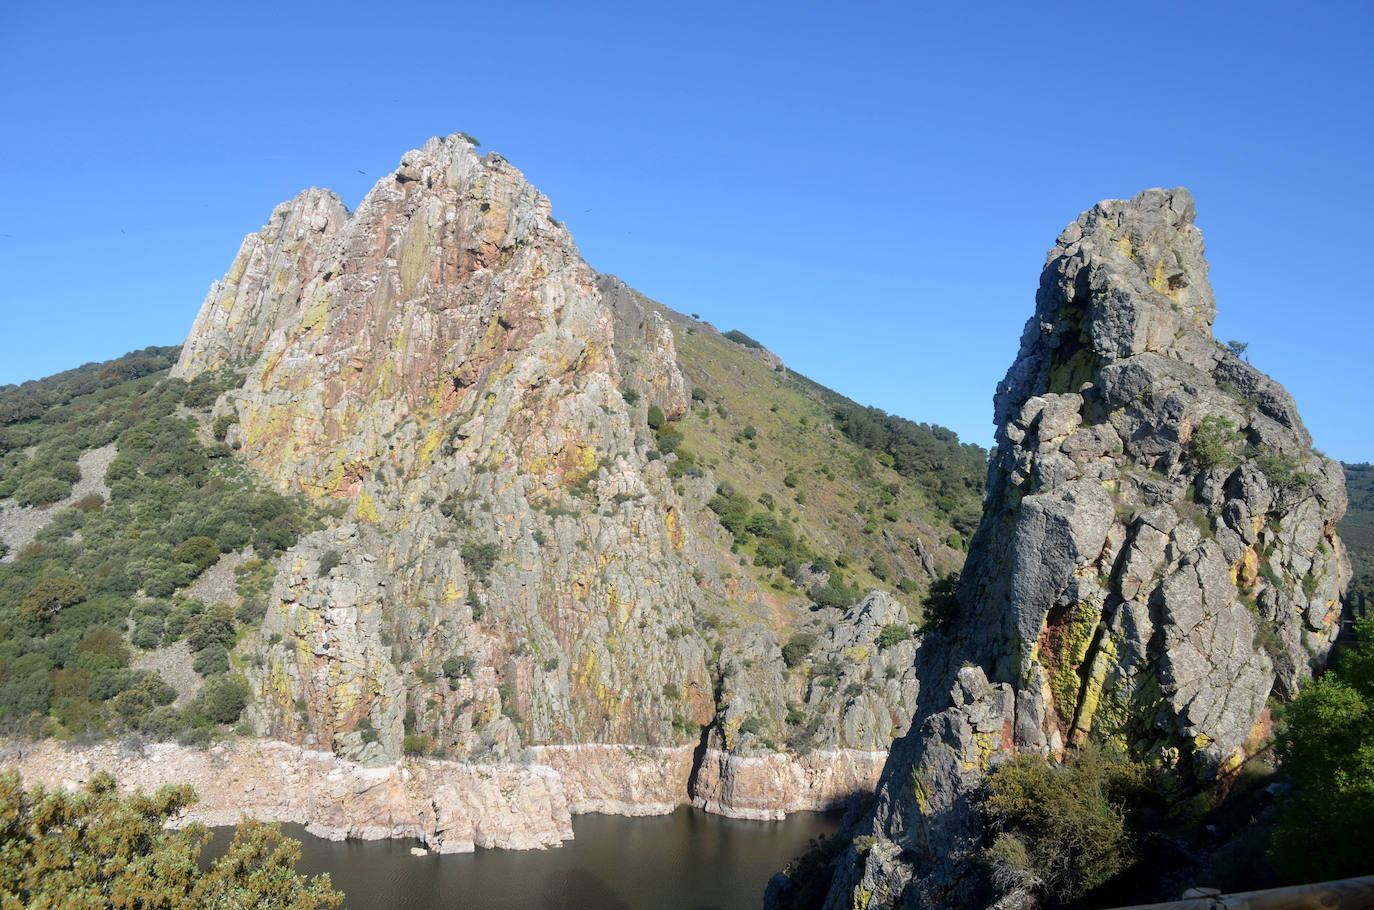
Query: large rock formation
point(1157, 555)
point(513, 566)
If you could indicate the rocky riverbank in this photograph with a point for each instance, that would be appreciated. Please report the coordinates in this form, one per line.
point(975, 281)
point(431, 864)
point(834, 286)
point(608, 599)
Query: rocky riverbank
point(454, 807)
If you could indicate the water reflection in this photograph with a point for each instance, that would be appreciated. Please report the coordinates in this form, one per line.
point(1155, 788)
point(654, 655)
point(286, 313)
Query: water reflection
point(685, 861)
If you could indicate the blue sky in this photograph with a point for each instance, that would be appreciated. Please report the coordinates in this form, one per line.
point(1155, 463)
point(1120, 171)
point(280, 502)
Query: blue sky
point(869, 189)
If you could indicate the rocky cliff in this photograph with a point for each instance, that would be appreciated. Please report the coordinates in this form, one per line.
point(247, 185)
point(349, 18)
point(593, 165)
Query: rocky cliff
point(521, 559)
point(1157, 557)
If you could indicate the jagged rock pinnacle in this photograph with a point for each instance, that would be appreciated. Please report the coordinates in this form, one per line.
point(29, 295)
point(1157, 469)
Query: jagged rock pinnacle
point(1156, 558)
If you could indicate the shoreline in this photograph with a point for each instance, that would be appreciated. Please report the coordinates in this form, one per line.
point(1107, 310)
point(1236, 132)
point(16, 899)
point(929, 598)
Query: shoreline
point(456, 807)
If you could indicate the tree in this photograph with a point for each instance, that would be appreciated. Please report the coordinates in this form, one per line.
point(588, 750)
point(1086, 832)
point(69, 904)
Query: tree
point(1238, 348)
point(98, 848)
point(51, 595)
point(656, 417)
point(1325, 826)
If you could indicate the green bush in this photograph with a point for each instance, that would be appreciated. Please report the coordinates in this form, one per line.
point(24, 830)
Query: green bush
point(329, 560)
point(1325, 826)
point(893, 633)
point(798, 647)
point(1062, 830)
point(221, 700)
point(124, 856)
point(1214, 443)
point(51, 595)
point(656, 418)
point(198, 552)
point(480, 558)
point(42, 490)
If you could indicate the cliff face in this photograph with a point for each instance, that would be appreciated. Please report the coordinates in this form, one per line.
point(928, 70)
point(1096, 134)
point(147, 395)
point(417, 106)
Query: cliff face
point(1157, 555)
point(514, 565)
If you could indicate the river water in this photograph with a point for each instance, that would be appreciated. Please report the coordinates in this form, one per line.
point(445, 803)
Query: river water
point(688, 860)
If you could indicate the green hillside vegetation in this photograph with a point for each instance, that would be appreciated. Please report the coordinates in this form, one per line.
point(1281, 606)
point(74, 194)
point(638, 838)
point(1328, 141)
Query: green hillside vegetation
point(807, 476)
point(1357, 528)
point(101, 581)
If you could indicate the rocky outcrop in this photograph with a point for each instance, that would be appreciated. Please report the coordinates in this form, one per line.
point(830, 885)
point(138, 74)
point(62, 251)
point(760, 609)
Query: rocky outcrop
point(448, 806)
point(1156, 559)
point(513, 569)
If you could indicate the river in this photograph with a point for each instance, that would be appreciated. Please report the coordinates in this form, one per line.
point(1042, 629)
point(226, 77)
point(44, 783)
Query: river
point(688, 860)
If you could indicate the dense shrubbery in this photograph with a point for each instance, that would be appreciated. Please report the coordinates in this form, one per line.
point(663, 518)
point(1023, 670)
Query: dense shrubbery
point(951, 473)
point(99, 848)
point(1062, 830)
point(775, 545)
point(1325, 827)
point(175, 506)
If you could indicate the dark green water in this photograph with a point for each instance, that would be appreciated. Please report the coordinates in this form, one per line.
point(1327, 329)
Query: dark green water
point(687, 860)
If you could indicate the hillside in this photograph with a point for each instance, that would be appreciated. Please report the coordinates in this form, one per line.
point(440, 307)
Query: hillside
point(1357, 527)
point(422, 482)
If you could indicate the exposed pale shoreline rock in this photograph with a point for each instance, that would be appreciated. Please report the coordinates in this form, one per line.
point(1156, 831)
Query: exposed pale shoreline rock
point(454, 807)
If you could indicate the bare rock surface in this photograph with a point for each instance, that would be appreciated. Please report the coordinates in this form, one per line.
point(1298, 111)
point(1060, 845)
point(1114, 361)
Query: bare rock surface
point(20, 524)
point(519, 572)
point(1157, 555)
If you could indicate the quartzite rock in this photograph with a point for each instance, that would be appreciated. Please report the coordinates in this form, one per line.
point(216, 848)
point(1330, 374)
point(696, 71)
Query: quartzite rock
point(1126, 580)
point(516, 569)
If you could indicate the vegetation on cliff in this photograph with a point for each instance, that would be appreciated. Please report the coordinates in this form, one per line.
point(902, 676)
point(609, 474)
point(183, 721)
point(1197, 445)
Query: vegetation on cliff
point(99, 848)
point(98, 585)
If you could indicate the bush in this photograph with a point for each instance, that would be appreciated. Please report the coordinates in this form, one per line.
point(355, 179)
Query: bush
point(893, 633)
point(124, 850)
point(328, 561)
point(656, 418)
point(1062, 830)
point(455, 667)
point(221, 700)
point(51, 595)
point(1214, 443)
point(415, 745)
point(42, 490)
point(198, 552)
point(798, 647)
point(212, 660)
point(1325, 825)
point(480, 558)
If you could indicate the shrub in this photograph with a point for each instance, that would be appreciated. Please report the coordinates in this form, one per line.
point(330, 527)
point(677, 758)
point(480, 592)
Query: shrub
point(1325, 824)
point(221, 700)
point(51, 595)
point(42, 490)
point(198, 552)
point(222, 425)
point(455, 667)
point(415, 745)
point(124, 850)
point(893, 633)
point(656, 418)
point(798, 647)
point(480, 558)
point(329, 560)
point(1214, 443)
point(941, 602)
point(1062, 830)
point(212, 660)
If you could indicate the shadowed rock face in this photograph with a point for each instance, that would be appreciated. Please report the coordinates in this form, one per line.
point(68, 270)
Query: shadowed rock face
point(512, 567)
point(1157, 554)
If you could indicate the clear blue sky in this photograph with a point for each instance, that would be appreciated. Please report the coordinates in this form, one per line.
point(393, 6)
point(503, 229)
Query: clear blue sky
point(869, 189)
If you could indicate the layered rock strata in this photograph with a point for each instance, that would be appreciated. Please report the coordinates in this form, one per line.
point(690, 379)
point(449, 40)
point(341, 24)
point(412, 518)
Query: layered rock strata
point(1157, 556)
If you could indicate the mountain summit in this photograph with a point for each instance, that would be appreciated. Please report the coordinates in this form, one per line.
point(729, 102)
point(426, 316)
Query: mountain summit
point(568, 518)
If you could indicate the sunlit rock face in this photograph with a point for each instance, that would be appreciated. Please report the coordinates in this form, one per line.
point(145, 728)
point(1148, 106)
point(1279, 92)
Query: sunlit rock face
point(510, 566)
point(1157, 555)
